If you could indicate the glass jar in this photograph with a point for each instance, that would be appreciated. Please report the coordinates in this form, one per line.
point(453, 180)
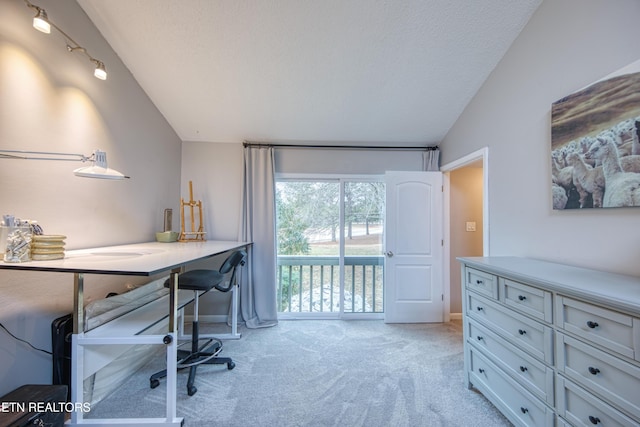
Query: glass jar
point(17, 242)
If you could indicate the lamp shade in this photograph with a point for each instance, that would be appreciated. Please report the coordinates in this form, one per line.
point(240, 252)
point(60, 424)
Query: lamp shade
point(98, 172)
point(99, 168)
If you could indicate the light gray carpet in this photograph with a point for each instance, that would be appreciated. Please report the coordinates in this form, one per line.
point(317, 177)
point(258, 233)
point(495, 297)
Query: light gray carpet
point(322, 373)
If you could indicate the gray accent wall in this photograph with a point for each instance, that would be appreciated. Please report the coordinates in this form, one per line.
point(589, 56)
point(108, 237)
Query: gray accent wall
point(566, 45)
point(50, 101)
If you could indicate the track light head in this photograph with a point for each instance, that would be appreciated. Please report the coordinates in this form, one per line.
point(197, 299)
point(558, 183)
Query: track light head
point(100, 72)
point(41, 21)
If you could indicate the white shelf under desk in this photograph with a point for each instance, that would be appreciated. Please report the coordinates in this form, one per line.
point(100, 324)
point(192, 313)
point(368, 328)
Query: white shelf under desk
point(141, 259)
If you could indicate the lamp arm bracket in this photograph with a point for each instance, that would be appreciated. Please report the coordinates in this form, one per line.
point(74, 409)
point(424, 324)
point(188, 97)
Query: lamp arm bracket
point(44, 155)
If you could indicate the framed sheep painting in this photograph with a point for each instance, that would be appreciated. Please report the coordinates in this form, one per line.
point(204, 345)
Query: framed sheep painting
point(595, 144)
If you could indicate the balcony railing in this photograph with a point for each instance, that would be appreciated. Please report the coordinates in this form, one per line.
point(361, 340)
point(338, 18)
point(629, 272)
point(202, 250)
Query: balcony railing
point(310, 284)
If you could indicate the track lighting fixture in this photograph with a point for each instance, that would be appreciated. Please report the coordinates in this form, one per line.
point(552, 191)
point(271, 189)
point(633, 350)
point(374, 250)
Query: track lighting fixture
point(42, 23)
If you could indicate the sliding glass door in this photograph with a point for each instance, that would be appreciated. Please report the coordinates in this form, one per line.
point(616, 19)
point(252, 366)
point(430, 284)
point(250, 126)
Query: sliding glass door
point(329, 237)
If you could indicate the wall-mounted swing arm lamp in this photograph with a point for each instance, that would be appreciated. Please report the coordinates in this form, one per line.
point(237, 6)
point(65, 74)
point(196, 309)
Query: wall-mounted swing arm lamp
point(98, 169)
point(41, 22)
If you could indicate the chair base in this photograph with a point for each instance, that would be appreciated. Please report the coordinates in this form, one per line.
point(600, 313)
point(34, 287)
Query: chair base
point(205, 355)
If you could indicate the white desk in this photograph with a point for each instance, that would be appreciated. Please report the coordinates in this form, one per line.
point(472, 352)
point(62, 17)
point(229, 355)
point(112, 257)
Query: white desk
point(141, 259)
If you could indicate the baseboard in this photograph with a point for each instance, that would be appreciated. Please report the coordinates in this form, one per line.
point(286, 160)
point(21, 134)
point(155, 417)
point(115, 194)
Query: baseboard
point(222, 318)
point(208, 318)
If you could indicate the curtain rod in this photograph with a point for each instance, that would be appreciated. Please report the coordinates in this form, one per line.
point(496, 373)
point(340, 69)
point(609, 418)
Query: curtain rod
point(342, 147)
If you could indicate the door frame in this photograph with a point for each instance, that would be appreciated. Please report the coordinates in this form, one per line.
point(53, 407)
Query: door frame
point(483, 155)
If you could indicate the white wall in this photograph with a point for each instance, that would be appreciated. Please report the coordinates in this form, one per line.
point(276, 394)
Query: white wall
point(50, 101)
point(566, 45)
point(216, 172)
point(341, 161)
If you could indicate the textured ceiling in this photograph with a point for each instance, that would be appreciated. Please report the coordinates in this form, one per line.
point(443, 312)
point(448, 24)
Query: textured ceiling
point(334, 71)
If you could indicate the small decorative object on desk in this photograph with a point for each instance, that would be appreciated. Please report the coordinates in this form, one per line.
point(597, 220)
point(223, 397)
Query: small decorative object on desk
point(46, 247)
point(168, 236)
point(15, 236)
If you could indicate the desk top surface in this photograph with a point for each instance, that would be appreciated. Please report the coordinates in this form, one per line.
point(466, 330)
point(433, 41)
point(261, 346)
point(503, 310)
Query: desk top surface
point(138, 259)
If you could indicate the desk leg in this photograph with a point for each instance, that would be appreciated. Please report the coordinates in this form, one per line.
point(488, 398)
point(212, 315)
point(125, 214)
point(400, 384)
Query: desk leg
point(77, 351)
point(172, 348)
point(234, 311)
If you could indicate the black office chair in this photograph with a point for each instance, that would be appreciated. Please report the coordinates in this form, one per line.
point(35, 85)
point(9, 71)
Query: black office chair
point(206, 353)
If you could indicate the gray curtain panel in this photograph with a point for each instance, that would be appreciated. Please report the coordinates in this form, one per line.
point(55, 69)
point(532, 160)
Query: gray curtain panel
point(431, 160)
point(258, 225)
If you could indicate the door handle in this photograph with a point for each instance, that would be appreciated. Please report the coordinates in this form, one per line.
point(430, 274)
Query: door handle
point(389, 254)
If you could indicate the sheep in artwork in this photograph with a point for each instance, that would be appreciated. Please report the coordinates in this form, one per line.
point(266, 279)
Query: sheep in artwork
point(584, 144)
point(625, 149)
point(628, 136)
point(624, 129)
point(630, 163)
point(559, 196)
point(562, 176)
point(621, 188)
point(587, 180)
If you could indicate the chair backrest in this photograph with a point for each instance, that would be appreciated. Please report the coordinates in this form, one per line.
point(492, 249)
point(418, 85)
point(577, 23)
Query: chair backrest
point(232, 262)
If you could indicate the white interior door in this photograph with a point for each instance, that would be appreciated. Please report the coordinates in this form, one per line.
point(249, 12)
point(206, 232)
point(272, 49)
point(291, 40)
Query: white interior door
point(413, 271)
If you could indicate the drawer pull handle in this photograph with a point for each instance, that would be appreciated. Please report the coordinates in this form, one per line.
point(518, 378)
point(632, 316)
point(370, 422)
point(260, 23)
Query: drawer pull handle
point(594, 420)
point(522, 297)
point(480, 337)
point(592, 325)
point(594, 371)
point(480, 308)
point(524, 410)
point(522, 331)
point(481, 370)
point(479, 282)
point(523, 368)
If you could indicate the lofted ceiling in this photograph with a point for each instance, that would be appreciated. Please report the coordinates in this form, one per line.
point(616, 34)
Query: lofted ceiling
point(392, 72)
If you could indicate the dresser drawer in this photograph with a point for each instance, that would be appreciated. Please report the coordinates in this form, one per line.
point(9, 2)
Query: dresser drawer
point(481, 282)
point(614, 331)
point(527, 299)
point(580, 408)
point(528, 334)
point(534, 375)
point(600, 372)
point(520, 406)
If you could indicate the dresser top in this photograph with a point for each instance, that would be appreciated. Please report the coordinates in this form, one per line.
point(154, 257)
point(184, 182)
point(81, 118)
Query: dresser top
point(615, 290)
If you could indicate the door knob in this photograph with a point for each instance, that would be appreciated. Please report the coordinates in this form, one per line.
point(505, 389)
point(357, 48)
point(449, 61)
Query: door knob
point(389, 254)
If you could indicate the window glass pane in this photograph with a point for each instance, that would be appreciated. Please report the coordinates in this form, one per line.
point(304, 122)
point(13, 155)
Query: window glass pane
point(308, 221)
point(363, 263)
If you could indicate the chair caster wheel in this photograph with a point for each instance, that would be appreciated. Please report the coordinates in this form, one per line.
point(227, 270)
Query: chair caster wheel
point(191, 390)
point(154, 383)
point(231, 365)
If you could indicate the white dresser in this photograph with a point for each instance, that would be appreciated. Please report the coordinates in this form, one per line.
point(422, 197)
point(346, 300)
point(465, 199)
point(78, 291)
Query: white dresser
point(552, 345)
